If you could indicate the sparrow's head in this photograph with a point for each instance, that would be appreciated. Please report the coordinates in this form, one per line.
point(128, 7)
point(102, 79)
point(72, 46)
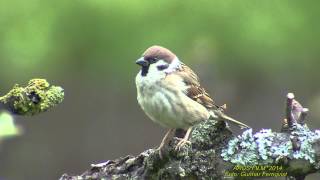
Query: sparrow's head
point(157, 58)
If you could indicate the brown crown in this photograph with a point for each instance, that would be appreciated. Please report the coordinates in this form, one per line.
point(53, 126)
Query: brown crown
point(159, 52)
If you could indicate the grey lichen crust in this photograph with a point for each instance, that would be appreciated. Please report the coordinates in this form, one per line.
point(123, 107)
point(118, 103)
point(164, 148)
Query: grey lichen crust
point(38, 96)
point(266, 147)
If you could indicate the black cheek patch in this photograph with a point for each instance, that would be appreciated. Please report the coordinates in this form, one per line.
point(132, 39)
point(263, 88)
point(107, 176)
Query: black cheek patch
point(162, 67)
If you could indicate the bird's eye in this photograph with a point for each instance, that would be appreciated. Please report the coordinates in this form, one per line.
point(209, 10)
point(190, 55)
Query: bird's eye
point(162, 67)
point(152, 60)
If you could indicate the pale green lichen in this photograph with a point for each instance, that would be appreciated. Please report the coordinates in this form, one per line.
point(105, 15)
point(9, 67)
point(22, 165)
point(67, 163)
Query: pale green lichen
point(242, 150)
point(264, 141)
point(38, 96)
point(203, 134)
point(307, 138)
point(281, 149)
point(265, 146)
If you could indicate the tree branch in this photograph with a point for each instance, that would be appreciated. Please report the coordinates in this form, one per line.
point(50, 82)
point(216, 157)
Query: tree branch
point(215, 153)
point(38, 96)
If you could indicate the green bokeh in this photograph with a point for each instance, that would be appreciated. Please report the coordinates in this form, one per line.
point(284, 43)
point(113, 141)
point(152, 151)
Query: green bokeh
point(105, 35)
point(248, 54)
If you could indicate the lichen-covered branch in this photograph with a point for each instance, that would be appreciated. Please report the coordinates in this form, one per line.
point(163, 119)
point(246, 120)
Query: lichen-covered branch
point(215, 153)
point(38, 96)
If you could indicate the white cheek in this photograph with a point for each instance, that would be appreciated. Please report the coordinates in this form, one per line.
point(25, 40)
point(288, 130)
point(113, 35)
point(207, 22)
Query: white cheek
point(173, 66)
point(154, 74)
point(159, 63)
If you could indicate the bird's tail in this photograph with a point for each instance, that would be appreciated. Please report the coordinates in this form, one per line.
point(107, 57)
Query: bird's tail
point(219, 115)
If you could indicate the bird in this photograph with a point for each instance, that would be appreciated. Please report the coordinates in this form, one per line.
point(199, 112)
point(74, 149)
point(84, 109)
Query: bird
point(170, 94)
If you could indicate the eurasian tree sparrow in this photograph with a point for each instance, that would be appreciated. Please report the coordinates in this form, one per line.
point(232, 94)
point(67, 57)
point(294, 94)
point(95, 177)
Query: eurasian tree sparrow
point(170, 94)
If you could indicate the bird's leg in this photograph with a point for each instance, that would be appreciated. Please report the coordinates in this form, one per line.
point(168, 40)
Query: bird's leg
point(184, 140)
point(165, 141)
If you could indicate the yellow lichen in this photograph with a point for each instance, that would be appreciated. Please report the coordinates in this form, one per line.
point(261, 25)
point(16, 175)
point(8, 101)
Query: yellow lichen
point(38, 96)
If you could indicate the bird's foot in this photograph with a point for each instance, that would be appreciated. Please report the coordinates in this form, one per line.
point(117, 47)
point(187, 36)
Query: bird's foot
point(184, 140)
point(182, 143)
point(165, 141)
point(161, 150)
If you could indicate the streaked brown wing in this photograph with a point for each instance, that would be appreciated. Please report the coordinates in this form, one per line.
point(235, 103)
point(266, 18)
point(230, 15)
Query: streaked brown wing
point(195, 91)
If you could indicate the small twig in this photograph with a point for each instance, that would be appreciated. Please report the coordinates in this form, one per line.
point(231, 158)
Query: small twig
point(303, 115)
point(296, 110)
point(290, 119)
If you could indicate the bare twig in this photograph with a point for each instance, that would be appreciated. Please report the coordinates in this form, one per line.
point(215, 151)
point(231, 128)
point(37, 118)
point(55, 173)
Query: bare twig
point(289, 107)
point(303, 115)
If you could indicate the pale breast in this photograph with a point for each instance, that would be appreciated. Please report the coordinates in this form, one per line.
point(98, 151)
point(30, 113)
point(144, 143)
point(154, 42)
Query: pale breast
point(166, 103)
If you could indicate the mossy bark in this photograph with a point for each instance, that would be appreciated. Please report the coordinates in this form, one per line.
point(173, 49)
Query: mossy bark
point(38, 96)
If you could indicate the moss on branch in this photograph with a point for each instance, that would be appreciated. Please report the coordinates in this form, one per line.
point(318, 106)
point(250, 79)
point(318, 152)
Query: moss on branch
point(38, 96)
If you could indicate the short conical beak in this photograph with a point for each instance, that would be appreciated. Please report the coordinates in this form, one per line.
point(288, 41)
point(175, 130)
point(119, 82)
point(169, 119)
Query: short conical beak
point(142, 62)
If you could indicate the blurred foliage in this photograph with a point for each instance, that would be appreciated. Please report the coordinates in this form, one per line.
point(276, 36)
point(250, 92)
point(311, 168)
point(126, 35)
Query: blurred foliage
point(266, 37)
point(250, 52)
point(8, 128)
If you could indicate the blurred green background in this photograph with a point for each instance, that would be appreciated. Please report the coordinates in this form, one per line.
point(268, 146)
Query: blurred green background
point(248, 54)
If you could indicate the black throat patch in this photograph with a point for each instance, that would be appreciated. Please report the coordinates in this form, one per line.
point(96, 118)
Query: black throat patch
point(144, 70)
